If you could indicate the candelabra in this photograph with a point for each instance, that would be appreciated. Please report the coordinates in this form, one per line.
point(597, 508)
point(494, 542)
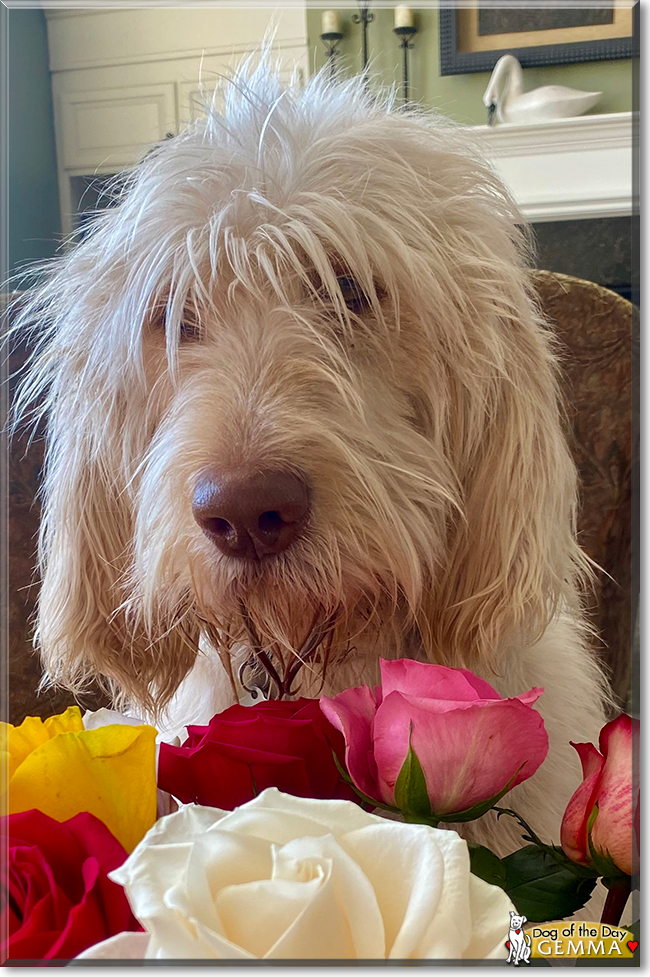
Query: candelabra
point(364, 17)
point(331, 36)
point(405, 29)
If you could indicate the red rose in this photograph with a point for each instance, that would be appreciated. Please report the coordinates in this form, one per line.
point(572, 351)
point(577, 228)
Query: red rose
point(245, 749)
point(57, 899)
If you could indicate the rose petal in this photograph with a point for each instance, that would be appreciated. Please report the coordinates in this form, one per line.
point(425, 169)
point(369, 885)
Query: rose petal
point(429, 681)
point(528, 698)
point(109, 772)
point(17, 742)
point(60, 885)
point(109, 717)
point(612, 832)
point(573, 832)
point(226, 776)
point(409, 897)
point(483, 746)
point(246, 749)
point(122, 946)
point(591, 760)
point(267, 817)
point(488, 905)
point(352, 712)
point(282, 918)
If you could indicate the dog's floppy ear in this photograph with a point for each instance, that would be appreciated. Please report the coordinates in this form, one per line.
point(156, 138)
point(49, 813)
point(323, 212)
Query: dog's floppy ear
point(84, 627)
point(98, 429)
point(511, 555)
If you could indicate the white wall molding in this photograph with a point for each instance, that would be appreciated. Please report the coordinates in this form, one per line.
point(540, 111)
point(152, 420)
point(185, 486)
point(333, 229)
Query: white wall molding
point(568, 169)
point(562, 135)
point(135, 36)
point(179, 54)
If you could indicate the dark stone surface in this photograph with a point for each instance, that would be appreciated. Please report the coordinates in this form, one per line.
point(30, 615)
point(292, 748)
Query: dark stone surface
point(601, 250)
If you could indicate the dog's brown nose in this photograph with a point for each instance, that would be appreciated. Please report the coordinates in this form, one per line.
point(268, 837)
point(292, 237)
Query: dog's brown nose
point(253, 516)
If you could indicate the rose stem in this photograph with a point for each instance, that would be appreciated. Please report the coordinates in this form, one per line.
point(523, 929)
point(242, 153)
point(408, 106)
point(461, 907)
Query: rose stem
point(617, 897)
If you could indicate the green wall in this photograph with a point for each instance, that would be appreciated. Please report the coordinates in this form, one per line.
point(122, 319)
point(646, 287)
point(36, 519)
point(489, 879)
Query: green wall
point(33, 195)
point(459, 96)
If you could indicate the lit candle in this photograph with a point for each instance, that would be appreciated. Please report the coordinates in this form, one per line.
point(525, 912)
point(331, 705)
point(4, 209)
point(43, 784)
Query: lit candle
point(330, 23)
point(404, 17)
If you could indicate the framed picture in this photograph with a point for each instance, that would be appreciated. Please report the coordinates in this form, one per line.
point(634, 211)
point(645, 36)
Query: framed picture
point(473, 37)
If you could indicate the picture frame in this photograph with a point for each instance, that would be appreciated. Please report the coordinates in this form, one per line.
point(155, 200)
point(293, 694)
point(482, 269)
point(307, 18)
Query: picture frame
point(475, 35)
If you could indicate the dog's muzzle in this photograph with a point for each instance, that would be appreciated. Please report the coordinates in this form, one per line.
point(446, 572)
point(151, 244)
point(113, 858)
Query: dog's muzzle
point(251, 516)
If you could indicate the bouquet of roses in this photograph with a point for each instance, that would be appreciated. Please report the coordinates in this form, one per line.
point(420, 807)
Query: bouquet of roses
point(305, 829)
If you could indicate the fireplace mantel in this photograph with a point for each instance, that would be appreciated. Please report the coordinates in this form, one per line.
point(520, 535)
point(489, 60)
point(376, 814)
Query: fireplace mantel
point(569, 169)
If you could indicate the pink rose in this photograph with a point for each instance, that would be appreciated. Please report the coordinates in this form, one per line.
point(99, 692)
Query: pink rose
point(471, 744)
point(597, 828)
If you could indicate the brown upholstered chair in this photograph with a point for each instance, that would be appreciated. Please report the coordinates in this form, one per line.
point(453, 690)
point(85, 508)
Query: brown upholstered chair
point(595, 327)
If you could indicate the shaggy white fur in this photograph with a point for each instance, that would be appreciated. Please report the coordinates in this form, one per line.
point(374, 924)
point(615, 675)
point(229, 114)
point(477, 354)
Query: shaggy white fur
point(312, 282)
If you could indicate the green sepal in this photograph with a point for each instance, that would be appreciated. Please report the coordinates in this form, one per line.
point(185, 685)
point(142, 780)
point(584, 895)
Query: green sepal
point(544, 888)
point(486, 865)
point(411, 794)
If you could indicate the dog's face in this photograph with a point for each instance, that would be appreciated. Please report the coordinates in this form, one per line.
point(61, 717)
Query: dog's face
point(294, 381)
point(517, 922)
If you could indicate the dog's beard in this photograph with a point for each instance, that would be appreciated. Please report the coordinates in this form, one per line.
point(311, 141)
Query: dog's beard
point(294, 627)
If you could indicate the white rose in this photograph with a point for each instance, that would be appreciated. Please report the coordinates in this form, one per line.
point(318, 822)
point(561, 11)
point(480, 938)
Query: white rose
point(289, 877)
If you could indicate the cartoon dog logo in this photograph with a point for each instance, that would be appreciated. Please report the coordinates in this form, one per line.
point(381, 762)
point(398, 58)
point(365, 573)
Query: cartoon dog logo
point(518, 942)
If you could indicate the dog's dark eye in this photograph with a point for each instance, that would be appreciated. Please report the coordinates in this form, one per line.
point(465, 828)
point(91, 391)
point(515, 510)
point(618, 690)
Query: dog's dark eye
point(190, 331)
point(353, 295)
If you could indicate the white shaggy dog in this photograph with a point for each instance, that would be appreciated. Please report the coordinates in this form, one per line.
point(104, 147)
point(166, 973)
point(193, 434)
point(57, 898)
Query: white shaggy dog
point(299, 399)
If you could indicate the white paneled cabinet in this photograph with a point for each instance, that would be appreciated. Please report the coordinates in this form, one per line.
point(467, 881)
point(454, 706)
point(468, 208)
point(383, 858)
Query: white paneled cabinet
point(110, 128)
point(123, 79)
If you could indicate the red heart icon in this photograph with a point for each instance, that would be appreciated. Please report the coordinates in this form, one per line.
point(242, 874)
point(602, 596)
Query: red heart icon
point(507, 944)
point(517, 931)
point(633, 944)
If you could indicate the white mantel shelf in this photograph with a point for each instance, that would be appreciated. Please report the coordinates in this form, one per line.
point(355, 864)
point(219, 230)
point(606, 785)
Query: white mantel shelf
point(569, 169)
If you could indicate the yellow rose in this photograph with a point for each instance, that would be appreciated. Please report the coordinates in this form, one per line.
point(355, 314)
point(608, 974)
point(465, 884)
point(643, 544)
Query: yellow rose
point(62, 769)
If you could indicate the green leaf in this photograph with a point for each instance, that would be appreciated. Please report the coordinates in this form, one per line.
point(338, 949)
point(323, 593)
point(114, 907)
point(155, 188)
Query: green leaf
point(486, 865)
point(411, 794)
point(541, 887)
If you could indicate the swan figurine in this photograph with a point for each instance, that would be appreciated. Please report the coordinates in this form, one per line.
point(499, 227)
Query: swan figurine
point(506, 98)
